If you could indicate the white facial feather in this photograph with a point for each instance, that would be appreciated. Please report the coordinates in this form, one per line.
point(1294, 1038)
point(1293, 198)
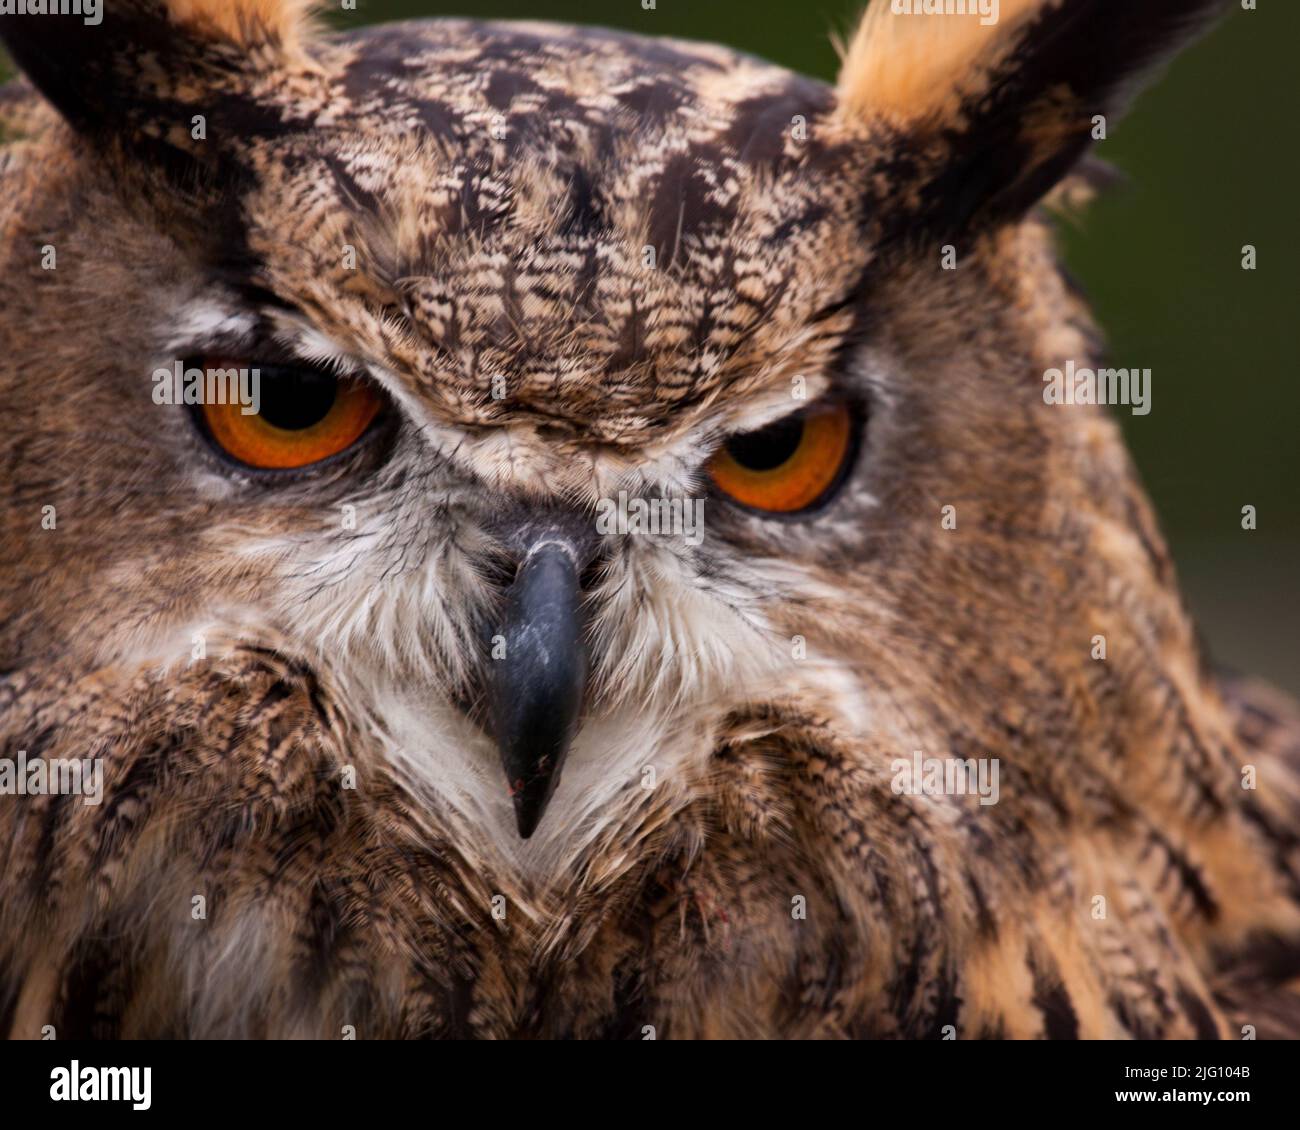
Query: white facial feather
point(392, 609)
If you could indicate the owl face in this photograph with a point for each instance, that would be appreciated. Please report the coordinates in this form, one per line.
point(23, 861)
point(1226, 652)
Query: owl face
point(502, 502)
point(503, 285)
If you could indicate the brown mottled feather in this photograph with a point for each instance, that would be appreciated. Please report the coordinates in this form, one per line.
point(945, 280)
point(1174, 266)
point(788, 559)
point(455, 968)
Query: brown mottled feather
point(313, 773)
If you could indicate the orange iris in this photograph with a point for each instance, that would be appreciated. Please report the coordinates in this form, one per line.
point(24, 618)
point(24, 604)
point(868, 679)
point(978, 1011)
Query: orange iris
point(790, 465)
point(304, 417)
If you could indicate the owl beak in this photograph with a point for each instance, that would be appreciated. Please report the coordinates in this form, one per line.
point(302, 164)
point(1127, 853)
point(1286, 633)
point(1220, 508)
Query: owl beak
point(537, 685)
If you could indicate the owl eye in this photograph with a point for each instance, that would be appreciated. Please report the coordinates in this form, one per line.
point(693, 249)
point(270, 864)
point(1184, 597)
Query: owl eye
point(303, 414)
point(791, 465)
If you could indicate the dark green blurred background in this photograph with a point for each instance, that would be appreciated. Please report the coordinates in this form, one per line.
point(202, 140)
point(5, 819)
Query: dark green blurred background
point(1211, 159)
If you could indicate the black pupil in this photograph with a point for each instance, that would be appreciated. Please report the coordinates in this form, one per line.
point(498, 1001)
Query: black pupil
point(294, 398)
point(769, 448)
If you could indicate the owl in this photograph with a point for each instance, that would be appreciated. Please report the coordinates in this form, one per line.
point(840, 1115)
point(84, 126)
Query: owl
point(524, 531)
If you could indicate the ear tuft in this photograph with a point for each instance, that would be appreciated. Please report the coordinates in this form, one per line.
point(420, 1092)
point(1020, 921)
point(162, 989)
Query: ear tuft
point(134, 68)
point(987, 104)
point(246, 23)
point(902, 66)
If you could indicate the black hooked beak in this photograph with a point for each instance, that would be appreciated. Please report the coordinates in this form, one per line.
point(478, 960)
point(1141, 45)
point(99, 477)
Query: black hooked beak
point(537, 684)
